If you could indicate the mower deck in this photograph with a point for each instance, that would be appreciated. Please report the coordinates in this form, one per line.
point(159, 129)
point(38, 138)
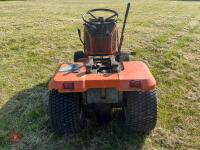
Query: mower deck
point(135, 77)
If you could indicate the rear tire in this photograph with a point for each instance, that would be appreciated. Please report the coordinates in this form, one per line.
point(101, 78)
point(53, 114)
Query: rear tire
point(66, 115)
point(78, 55)
point(141, 111)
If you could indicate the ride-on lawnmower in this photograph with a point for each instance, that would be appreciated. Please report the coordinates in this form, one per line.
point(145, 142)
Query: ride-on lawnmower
point(102, 78)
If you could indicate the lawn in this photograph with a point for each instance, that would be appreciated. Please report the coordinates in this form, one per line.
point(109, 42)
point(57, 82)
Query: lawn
point(36, 36)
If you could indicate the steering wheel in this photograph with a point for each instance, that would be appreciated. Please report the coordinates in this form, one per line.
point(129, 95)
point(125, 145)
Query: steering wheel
point(99, 20)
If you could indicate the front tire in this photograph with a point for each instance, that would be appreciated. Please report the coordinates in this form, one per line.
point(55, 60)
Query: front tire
point(65, 112)
point(103, 113)
point(141, 111)
point(78, 55)
point(124, 57)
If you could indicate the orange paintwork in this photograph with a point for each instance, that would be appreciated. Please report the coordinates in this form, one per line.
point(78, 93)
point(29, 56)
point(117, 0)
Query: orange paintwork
point(133, 70)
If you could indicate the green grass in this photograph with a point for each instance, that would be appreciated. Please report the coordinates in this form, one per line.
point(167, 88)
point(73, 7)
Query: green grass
point(36, 36)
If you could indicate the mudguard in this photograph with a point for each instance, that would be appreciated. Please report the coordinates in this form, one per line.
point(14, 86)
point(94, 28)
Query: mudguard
point(135, 77)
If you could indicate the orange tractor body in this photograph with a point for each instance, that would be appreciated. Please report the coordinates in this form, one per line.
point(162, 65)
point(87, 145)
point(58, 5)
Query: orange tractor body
point(135, 77)
point(101, 78)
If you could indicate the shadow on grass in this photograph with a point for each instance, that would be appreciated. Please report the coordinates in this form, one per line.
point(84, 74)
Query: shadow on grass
point(26, 113)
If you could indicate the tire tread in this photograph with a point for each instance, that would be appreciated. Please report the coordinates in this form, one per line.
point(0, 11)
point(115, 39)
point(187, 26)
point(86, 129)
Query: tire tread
point(141, 111)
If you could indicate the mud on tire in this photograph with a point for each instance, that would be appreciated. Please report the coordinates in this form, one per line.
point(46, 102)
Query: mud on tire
point(64, 112)
point(141, 111)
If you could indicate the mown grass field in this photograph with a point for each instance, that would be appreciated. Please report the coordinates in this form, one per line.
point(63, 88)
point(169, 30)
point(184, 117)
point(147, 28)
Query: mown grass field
point(36, 36)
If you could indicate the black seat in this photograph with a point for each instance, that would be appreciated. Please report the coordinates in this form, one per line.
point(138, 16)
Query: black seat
point(101, 30)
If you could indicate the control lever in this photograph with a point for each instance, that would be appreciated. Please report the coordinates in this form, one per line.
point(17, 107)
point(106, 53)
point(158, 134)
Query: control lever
point(79, 34)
